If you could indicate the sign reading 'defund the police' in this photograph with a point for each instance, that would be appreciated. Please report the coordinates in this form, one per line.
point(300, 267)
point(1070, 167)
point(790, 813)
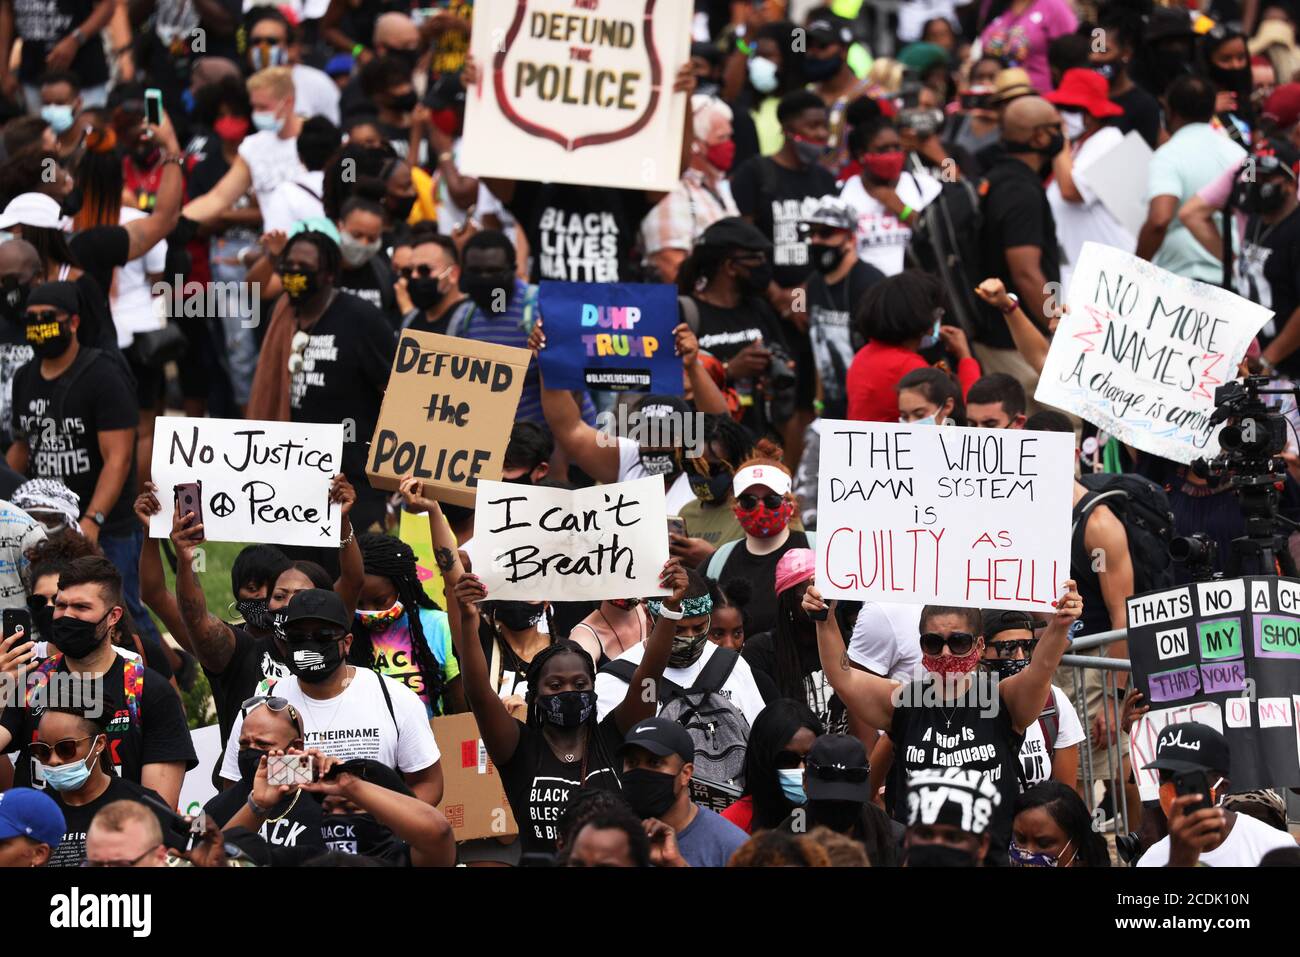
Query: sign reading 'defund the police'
point(1225, 653)
point(260, 481)
point(942, 515)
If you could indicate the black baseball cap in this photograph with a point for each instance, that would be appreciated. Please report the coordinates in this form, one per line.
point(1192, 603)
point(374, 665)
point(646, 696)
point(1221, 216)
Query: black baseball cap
point(660, 736)
point(733, 232)
point(318, 604)
point(832, 761)
point(998, 620)
point(1190, 746)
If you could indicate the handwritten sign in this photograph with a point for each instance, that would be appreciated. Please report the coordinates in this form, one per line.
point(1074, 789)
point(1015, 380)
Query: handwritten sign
point(1141, 351)
point(541, 544)
point(1226, 653)
point(612, 336)
point(261, 481)
point(447, 414)
point(582, 90)
point(942, 515)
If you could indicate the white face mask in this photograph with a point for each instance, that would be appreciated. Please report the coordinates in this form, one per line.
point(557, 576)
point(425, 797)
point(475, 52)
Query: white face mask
point(762, 74)
point(1072, 123)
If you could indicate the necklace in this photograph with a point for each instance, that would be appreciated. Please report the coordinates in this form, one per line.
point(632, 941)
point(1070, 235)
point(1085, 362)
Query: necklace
point(296, 794)
point(621, 647)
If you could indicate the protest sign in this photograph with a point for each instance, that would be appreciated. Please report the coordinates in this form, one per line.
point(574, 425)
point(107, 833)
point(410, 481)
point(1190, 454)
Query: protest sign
point(1119, 178)
point(1140, 352)
point(537, 544)
point(473, 797)
point(943, 515)
point(612, 336)
point(1225, 653)
point(258, 481)
point(447, 414)
point(581, 92)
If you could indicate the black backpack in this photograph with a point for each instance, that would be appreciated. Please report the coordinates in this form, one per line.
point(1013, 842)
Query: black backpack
point(946, 243)
point(1142, 506)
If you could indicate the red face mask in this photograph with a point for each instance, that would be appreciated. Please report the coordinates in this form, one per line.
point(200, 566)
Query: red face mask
point(944, 665)
point(446, 120)
point(231, 128)
point(886, 167)
point(764, 522)
point(722, 155)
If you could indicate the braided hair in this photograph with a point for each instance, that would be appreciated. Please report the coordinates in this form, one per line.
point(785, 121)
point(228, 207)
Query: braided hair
point(597, 756)
point(788, 673)
point(392, 558)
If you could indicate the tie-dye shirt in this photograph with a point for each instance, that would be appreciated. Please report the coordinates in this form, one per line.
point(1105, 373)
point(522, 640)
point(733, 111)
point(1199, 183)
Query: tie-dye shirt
point(394, 658)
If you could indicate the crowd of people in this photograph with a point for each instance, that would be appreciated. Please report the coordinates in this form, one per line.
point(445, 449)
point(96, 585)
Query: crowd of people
point(858, 232)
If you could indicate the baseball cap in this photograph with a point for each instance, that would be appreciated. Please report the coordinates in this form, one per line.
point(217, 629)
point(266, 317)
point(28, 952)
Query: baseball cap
point(829, 29)
point(1190, 746)
point(1283, 104)
point(733, 232)
point(958, 797)
point(25, 812)
point(61, 295)
point(318, 604)
point(32, 209)
point(796, 565)
point(997, 620)
point(834, 212)
point(769, 475)
point(661, 736)
point(832, 761)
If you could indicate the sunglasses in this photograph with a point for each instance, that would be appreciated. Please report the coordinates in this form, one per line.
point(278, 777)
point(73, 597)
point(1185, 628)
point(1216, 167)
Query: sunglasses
point(65, 749)
point(832, 772)
point(276, 704)
point(823, 232)
point(1007, 649)
point(37, 602)
point(959, 643)
point(749, 502)
point(45, 315)
point(424, 271)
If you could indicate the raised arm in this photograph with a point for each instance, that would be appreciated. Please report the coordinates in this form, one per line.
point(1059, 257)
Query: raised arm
point(222, 196)
point(585, 446)
point(1029, 339)
point(705, 394)
point(445, 552)
point(211, 639)
point(1023, 694)
point(499, 730)
point(153, 585)
point(636, 704)
point(152, 229)
point(352, 570)
point(870, 698)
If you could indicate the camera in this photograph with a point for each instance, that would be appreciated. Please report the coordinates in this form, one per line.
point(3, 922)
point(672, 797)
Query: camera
point(1198, 552)
point(923, 122)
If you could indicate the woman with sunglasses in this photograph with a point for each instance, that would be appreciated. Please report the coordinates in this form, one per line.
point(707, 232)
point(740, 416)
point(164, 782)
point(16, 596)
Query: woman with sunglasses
point(780, 739)
point(948, 718)
point(71, 750)
point(1051, 747)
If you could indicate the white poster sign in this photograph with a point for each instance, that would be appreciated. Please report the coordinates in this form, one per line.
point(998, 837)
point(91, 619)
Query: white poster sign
point(1119, 178)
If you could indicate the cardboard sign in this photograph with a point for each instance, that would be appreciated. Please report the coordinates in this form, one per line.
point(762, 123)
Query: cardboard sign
point(1140, 352)
point(473, 797)
point(259, 481)
point(1119, 178)
point(537, 544)
point(581, 92)
point(197, 788)
point(941, 515)
point(612, 336)
point(447, 414)
point(1225, 653)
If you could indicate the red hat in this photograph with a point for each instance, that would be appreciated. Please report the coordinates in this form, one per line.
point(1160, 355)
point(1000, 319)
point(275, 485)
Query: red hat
point(1087, 90)
point(1283, 104)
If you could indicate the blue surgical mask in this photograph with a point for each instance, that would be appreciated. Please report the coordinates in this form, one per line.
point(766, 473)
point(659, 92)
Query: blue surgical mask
point(792, 785)
point(58, 115)
point(69, 777)
point(267, 122)
point(1021, 857)
point(928, 420)
point(931, 337)
point(762, 74)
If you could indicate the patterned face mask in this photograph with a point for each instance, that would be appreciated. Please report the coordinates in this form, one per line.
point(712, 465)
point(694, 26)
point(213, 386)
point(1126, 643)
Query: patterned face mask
point(764, 522)
point(944, 665)
point(380, 619)
point(1022, 857)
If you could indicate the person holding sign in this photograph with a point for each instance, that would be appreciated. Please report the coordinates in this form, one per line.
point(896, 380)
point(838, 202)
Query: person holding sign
point(950, 717)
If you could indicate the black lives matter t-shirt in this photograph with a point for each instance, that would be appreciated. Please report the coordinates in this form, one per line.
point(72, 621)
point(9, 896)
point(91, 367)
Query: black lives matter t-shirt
point(539, 785)
point(61, 420)
point(579, 233)
point(294, 822)
point(72, 849)
point(937, 738)
point(777, 200)
point(344, 374)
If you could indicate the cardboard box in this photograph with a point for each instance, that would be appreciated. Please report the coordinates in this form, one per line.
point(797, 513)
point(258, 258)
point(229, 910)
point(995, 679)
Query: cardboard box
point(473, 797)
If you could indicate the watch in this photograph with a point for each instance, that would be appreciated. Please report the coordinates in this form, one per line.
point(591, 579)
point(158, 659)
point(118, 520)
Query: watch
point(666, 612)
point(97, 518)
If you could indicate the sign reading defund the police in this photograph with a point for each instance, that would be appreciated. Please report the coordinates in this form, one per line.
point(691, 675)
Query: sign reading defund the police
point(540, 544)
point(943, 515)
point(1141, 351)
point(1225, 653)
point(447, 414)
point(260, 481)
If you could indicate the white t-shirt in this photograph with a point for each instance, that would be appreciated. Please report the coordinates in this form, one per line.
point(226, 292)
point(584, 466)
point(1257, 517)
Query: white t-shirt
point(271, 160)
point(132, 299)
point(356, 724)
point(913, 15)
point(1077, 223)
point(314, 93)
point(679, 493)
point(739, 688)
point(293, 200)
point(1069, 731)
point(882, 239)
point(886, 639)
point(1247, 842)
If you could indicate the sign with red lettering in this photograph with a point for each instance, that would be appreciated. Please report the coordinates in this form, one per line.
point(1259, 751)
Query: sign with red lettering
point(582, 90)
point(944, 515)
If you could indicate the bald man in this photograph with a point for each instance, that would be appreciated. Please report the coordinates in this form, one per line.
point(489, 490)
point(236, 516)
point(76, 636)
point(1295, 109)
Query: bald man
point(396, 35)
point(1019, 234)
point(209, 70)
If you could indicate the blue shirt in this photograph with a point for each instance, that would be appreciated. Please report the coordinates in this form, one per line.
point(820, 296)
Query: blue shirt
point(709, 840)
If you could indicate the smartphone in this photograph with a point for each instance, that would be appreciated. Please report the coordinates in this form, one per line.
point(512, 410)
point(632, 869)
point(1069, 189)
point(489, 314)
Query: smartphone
point(189, 498)
point(13, 620)
point(290, 770)
point(1193, 782)
point(820, 615)
point(677, 525)
point(153, 111)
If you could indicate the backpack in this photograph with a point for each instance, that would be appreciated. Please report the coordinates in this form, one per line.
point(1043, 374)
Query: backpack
point(132, 682)
point(1049, 722)
point(718, 728)
point(1143, 508)
point(946, 243)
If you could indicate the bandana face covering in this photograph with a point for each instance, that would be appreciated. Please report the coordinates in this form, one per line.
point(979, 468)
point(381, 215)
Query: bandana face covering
point(687, 651)
point(763, 522)
point(380, 619)
point(944, 665)
point(1022, 857)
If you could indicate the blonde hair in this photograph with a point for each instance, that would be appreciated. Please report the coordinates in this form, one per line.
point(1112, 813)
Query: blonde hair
point(277, 80)
point(115, 816)
point(886, 74)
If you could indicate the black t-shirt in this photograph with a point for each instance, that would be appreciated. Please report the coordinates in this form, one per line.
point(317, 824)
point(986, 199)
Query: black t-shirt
point(1268, 272)
point(1141, 113)
point(760, 571)
point(345, 371)
point(101, 249)
point(726, 331)
point(72, 849)
point(294, 822)
point(928, 738)
point(778, 200)
point(1016, 213)
point(372, 282)
point(210, 166)
point(539, 785)
point(42, 24)
point(579, 233)
point(155, 734)
point(252, 661)
point(9, 480)
point(761, 652)
point(61, 420)
point(830, 329)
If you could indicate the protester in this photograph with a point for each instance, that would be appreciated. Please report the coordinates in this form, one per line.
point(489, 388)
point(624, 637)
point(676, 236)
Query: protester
point(779, 742)
point(950, 818)
point(1053, 828)
point(31, 828)
point(1021, 33)
point(928, 396)
point(125, 834)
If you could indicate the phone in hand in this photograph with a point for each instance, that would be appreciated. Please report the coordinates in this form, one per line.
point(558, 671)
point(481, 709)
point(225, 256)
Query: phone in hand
point(189, 498)
point(178, 833)
point(820, 615)
point(153, 109)
point(1194, 782)
point(677, 526)
point(290, 770)
point(13, 620)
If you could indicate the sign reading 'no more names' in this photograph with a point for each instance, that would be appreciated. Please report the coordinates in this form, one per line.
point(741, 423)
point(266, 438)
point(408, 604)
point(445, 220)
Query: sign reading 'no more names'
point(261, 481)
point(943, 515)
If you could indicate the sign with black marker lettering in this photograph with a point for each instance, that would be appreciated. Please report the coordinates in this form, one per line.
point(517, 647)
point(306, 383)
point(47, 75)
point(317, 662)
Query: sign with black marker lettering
point(579, 90)
point(1141, 351)
point(944, 515)
point(589, 544)
point(260, 481)
point(447, 414)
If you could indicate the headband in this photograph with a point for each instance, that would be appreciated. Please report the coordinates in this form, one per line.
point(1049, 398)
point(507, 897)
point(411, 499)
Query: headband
point(691, 607)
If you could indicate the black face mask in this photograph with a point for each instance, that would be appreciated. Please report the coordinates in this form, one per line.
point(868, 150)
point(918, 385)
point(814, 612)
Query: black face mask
point(839, 816)
point(482, 288)
point(400, 207)
point(567, 709)
point(1054, 146)
point(658, 462)
point(300, 287)
point(1005, 667)
point(13, 301)
point(77, 639)
point(72, 203)
point(424, 292)
point(517, 615)
point(408, 58)
point(1262, 197)
point(825, 259)
point(255, 613)
point(358, 834)
point(713, 488)
point(146, 157)
point(756, 281)
point(404, 103)
point(651, 793)
point(823, 69)
point(249, 759)
point(937, 855)
point(314, 661)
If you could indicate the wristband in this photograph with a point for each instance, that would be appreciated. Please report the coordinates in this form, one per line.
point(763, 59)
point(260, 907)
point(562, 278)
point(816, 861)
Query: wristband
point(444, 156)
point(1015, 304)
point(349, 540)
point(666, 612)
point(744, 47)
point(906, 214)
point(357, 50)
point(256, 808)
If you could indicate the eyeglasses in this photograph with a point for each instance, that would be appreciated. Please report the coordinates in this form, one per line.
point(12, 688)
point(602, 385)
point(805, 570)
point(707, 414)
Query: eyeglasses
point(836, 772)
point(959, 643)
point(122, 863)
point(748, 502)
point(276, 704)
point(66, 749)
point(1007, 649)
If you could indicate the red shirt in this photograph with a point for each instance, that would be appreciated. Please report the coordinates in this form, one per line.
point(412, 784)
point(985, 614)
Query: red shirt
point(872, 381)
point(741, 814)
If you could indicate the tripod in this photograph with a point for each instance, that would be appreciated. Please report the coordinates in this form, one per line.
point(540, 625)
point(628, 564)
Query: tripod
point(1265, 543)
